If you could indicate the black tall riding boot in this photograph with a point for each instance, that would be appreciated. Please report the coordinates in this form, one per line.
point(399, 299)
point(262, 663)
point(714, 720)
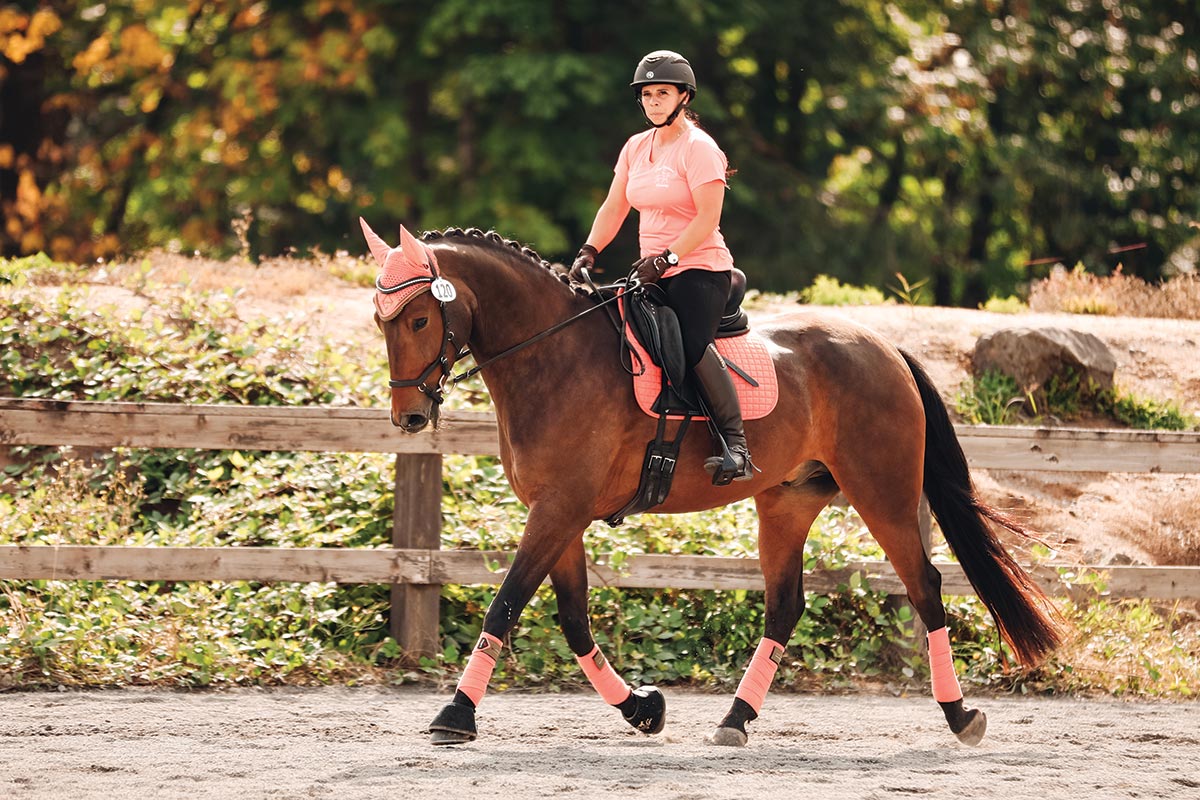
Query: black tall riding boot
point(721, 399)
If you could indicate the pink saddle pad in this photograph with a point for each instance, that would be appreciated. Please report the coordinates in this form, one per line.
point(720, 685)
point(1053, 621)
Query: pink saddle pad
point(748, 351)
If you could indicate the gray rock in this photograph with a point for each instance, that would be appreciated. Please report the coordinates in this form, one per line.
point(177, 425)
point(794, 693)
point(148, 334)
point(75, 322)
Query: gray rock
point(1033, 355)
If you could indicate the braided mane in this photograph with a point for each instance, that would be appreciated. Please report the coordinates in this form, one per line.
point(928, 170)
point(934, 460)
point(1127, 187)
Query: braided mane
point(505, 246)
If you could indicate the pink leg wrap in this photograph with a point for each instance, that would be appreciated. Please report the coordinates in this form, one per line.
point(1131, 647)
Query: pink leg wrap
point(606, 680)
point(941, 668)
point(760, 673)
point(475, 677)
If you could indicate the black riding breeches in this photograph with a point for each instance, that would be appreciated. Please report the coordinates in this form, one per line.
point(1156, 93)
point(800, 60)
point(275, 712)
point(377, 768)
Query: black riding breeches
point(698, 298)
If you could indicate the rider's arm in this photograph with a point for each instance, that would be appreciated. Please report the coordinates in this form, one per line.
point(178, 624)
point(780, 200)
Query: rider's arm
point(709, 198)
point(611, 215)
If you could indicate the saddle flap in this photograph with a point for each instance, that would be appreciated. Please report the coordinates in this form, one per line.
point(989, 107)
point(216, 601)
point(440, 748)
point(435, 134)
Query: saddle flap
point(656, 327)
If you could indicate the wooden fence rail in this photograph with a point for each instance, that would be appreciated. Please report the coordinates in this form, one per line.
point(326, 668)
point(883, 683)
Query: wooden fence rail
point(367, 430)
point(415, 566)
point(437, 567)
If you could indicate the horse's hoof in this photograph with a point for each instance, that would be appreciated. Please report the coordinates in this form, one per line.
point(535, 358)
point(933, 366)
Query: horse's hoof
point(450, 737)
point(455, 724)
point(727, 737)
point(976, 727)
point(650, 713)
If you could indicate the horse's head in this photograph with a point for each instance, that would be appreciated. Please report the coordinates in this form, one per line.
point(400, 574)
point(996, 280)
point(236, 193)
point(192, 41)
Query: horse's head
point(411, 301)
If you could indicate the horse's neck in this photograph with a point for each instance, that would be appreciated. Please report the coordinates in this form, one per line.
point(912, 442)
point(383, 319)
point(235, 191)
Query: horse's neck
point(513, 303)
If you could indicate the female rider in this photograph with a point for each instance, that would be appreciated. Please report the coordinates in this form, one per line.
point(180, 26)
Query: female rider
point(674, 175)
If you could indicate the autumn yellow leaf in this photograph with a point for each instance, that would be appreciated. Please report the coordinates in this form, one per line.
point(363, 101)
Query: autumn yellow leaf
point(95, 54)
point(141, 48)
point(29, 196)
point(12, 20)
point(44, 23)
point(33, 241)
point(17, 47)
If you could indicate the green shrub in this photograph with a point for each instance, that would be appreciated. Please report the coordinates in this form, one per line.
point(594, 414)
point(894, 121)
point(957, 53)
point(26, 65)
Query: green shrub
point(1146, 413)
point(991, 399)
point(1005, 305)
point(827, 291)
point(202, 634)
point(995, 399)
point(39, 268)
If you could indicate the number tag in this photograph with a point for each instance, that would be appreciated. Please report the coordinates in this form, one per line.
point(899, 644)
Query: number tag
point(443, 290)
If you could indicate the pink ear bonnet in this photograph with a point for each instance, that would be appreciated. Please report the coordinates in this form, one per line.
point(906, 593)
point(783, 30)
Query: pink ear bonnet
point(406, 271)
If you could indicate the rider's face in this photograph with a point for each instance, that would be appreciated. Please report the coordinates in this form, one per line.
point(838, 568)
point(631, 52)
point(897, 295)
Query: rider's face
point(660, 99)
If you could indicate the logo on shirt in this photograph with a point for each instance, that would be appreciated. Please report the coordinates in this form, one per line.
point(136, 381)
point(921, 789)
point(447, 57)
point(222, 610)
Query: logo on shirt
point(663, 176)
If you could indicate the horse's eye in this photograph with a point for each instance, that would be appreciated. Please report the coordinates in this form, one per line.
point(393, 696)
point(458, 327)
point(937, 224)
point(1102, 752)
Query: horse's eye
point(420, 322)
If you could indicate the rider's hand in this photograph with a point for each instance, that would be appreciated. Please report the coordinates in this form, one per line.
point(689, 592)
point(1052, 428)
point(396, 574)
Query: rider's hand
point(585, 260)
point(651, 268)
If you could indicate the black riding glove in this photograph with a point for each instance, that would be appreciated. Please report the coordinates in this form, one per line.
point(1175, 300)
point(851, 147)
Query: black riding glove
point(651, 268)
point(585, 260)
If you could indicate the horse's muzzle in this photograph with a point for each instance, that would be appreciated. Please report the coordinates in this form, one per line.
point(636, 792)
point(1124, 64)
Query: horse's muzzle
point(410, 422)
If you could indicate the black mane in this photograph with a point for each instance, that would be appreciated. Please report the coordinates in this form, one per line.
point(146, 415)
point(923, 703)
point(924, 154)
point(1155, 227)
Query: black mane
point(507, 247)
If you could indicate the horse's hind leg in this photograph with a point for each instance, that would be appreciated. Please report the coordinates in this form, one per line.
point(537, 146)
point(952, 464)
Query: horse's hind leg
point(891, 514)
point(645, 707)
point(785, 514)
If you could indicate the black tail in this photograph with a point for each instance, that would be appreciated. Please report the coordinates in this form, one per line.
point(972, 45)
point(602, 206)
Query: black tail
point(1027, 619)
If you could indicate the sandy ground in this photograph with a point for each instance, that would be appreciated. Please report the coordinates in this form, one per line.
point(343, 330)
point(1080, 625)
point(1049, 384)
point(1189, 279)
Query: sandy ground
point(368, 743)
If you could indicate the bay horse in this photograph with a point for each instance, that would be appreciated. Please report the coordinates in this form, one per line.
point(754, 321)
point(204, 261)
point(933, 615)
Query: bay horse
point(855, 414)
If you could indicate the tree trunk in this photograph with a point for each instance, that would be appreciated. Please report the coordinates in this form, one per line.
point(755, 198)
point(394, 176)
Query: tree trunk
point(22, 94)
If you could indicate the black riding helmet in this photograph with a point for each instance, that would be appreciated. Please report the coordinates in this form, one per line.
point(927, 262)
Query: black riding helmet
point(664, 66)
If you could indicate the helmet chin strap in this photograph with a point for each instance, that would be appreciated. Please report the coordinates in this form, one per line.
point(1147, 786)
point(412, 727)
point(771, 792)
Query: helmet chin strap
point(671, 118)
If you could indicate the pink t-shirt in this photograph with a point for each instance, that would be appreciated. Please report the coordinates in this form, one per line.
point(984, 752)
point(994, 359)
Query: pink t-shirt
point(661, 191)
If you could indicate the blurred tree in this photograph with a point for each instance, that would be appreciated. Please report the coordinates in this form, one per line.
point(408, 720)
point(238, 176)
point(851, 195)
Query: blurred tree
point(965, 142)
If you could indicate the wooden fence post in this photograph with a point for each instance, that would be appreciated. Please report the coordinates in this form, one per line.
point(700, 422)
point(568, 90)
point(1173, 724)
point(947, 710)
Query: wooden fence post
point(417, 523)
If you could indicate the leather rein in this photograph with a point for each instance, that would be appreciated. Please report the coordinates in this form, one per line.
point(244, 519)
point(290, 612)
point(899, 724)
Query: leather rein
point(437, 393)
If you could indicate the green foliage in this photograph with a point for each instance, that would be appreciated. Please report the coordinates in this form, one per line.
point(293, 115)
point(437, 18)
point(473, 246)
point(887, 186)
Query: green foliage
point(1128, 648)
point(206, 634)
point(187, 347)
point(1067, 398)
point(990, 399)
point(1147, 413)
point(963, 145)
point(35, 268)
point(1005, 305)
point(1089, 305)
point(911, 294)
point(827, 291)
point(995, 399)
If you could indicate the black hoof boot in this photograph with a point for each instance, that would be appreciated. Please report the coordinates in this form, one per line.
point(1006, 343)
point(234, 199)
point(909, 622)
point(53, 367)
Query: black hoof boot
point(454, 725)
point(649, 715)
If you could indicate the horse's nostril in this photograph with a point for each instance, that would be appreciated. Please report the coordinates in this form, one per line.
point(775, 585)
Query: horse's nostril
point(412, 423)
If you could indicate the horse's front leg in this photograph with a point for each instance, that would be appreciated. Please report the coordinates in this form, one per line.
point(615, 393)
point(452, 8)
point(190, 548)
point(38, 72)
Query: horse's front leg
point(644, 708)
point(548, 531)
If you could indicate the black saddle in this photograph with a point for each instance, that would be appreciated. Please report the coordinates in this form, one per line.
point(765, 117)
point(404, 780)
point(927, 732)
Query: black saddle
point(656, 327)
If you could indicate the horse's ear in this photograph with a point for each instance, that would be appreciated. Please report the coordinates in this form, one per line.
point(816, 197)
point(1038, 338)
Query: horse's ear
point(411, 246)
point(379, 247)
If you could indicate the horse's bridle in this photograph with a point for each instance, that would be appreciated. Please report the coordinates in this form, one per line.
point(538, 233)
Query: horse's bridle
point(438, 393)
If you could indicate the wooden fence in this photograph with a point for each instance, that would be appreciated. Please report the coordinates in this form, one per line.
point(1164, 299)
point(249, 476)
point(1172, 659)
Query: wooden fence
point(416, 567)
